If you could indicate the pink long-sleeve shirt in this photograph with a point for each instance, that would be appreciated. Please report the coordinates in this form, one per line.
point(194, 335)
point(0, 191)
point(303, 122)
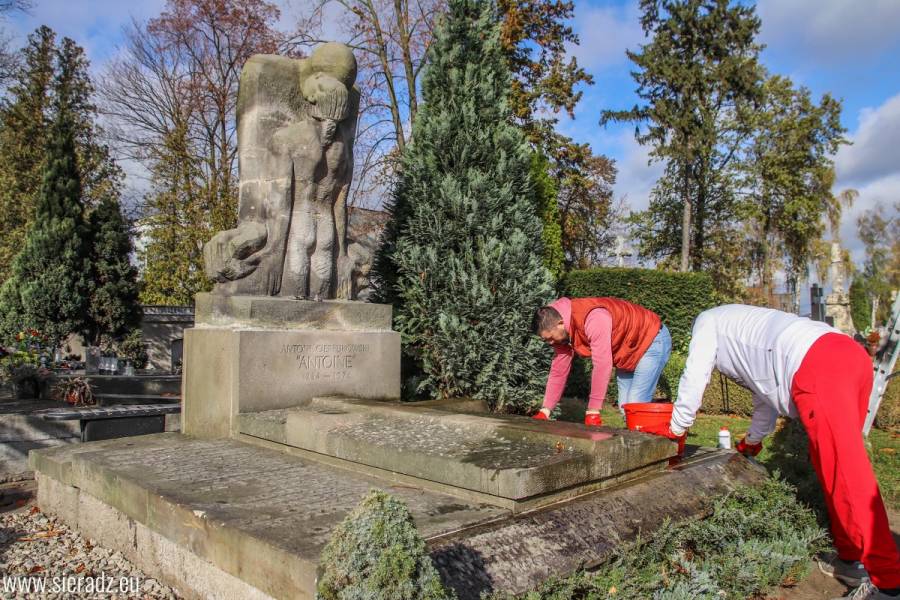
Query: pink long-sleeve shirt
point(598, 328)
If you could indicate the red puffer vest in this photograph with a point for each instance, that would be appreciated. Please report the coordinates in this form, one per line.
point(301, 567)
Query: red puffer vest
point(633, 329)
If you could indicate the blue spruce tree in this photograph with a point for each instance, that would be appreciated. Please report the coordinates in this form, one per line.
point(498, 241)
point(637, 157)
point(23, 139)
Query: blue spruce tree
point(463, 259)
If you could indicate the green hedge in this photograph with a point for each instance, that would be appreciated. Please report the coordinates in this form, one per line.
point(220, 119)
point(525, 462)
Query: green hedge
point(676, 297)
point(888, 416)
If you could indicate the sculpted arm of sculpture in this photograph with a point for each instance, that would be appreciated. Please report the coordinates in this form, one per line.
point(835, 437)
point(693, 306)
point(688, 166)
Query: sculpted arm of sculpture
point(344, 262)
point(279, 202)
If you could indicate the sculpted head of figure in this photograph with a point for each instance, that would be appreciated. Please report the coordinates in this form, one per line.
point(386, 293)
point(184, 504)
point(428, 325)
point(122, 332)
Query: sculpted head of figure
point(327, 101)
point(336, 60)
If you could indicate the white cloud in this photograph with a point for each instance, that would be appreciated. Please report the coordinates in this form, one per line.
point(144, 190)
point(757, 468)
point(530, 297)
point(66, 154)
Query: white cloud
point(635, 178)
point(871, 166)
point(605, 34)
point(830, 30)
point(874, 150)
point(96, 25)
point(884, 191)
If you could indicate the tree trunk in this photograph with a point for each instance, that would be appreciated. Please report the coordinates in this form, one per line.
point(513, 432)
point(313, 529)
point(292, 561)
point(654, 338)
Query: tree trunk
point(685, 222)
point(698, 223)
point(766, 275)
point(401, 8)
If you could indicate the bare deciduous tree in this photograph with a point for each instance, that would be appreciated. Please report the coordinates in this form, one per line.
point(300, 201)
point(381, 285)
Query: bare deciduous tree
point(182, 69)
point(390, 39)
point(9, 59)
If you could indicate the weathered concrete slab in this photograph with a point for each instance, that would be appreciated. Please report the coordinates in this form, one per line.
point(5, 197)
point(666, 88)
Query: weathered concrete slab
point(22, 431)
point(505, 457)
point(220, 310)
point(228, 371)
point(223, 519)
point(259, 515)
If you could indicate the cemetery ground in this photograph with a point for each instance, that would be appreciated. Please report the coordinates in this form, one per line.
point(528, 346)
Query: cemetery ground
point(32, 543)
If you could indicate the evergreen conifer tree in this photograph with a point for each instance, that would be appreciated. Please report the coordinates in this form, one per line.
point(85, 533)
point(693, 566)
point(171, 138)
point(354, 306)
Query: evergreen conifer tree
point(546, 193)
point(114, 310)
point(467, 259)
point(25, 117)
point(175, 228)
point(377, 553)
point(49, 71)
point(50, 282)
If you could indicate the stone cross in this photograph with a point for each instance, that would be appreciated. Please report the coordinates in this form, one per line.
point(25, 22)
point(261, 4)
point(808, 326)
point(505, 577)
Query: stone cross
point(621, 251)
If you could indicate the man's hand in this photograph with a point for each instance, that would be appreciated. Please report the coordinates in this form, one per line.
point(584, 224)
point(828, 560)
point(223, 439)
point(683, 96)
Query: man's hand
point(747, 449)
point(664, 430)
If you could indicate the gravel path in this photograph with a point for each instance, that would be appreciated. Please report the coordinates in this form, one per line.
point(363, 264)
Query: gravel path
point(41, 547)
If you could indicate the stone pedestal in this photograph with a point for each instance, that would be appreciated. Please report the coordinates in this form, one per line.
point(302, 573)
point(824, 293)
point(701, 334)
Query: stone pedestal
point(251, 353)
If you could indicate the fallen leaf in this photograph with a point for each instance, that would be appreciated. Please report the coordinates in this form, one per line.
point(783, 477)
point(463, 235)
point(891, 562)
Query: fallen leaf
point(612, 591)
point(36, 569)
point(34, 510)
point(79, 568)
point(41, 535)
point(888, 451)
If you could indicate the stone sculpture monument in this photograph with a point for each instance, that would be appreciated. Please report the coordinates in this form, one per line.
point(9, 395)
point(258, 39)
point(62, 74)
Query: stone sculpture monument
point(281, 325)
point(837, 303)
point(296, 121)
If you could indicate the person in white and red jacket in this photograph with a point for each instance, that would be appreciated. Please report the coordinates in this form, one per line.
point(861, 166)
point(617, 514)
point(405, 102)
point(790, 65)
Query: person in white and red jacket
point(808, 370)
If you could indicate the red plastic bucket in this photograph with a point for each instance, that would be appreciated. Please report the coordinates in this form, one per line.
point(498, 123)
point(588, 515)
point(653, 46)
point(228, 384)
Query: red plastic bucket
point(639, 415)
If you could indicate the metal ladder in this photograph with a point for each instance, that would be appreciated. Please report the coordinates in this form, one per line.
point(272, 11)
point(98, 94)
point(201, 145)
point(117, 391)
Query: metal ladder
point(885, 367)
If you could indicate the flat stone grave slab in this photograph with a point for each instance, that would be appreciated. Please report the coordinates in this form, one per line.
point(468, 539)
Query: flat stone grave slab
point(507, 459)
point(258, 514)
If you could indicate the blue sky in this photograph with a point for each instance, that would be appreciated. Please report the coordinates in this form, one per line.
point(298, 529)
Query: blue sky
point(846, 47)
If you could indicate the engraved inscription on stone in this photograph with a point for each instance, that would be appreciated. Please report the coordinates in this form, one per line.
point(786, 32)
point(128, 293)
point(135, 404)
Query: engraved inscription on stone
point(326, 362)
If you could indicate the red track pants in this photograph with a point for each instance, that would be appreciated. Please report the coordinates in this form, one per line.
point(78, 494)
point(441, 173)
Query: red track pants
point(831, 391)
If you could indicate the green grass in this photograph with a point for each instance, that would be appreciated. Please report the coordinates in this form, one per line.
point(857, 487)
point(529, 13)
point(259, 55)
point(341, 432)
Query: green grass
point(884, 449)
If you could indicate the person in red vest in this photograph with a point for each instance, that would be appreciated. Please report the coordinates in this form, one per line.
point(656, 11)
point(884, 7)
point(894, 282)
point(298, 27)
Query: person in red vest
point(613, 333)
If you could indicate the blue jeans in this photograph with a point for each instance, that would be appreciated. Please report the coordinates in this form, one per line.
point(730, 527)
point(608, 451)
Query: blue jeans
point(639, 385)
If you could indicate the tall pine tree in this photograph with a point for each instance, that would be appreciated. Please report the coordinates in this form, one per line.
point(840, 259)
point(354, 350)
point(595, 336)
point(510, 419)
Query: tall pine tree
point(175, 227)
point(467, 252)
point(700, 79)
point(114, 310)
point(50, 282)
point(26, 115)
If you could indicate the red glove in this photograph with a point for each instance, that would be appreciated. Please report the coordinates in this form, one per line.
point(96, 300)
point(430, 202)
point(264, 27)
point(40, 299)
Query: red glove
point(593, 420)
point(540, 416)
point(748, 449)
point(664, 430)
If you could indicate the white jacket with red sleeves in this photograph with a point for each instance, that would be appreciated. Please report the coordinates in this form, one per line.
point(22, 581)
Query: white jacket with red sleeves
point(759, 348)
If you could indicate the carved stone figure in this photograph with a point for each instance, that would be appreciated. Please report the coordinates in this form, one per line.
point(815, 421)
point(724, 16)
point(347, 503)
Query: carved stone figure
point(837, 303)
point(296, 125)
